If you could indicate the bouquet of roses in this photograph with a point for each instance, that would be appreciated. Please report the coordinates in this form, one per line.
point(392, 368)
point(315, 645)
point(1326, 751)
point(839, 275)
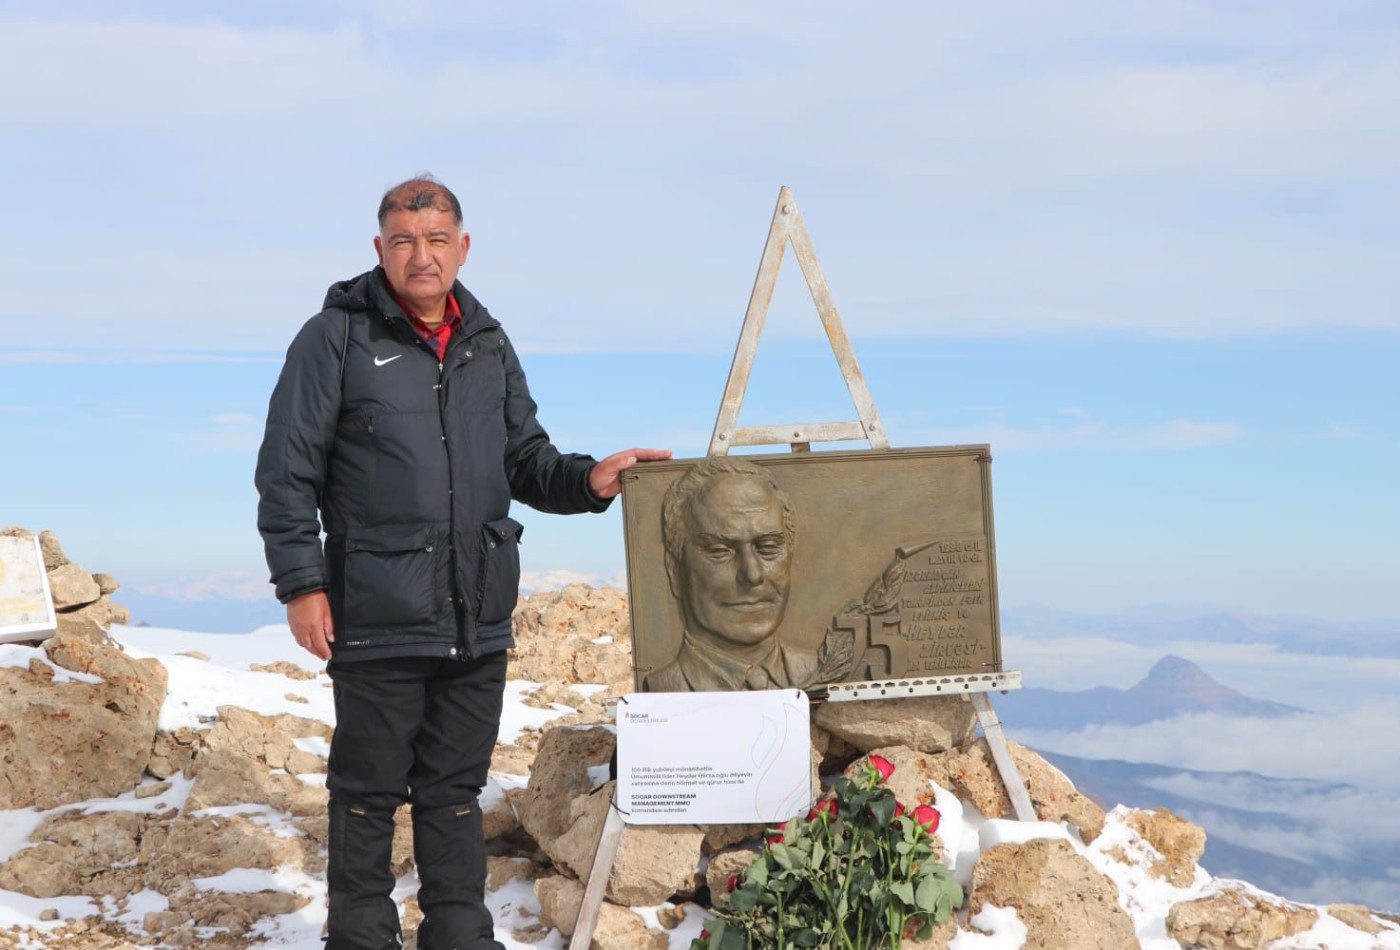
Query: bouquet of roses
point(859, 872)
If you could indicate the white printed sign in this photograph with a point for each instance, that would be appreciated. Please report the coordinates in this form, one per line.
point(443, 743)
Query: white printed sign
point(713, 758)
point(26, 606)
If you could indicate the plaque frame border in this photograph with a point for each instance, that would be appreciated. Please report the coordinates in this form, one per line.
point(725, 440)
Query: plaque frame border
point(978, 453)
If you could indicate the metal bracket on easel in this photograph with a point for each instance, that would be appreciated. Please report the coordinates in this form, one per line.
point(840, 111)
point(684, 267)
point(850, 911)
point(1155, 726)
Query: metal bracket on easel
point(788, 226)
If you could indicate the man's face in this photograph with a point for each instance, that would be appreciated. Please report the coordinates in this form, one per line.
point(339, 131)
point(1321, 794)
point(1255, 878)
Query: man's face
point(421, 252)
point(734, 567)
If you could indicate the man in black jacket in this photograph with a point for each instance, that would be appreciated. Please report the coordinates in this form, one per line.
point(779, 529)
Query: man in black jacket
point(402, 426)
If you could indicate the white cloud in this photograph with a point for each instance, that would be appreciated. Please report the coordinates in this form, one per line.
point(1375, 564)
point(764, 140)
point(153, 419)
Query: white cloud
point(142, 71)
point(980, 165)
point(531, 581)
point(1297, 747)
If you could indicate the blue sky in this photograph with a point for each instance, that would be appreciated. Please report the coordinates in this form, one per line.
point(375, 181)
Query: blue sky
point(1147, 251)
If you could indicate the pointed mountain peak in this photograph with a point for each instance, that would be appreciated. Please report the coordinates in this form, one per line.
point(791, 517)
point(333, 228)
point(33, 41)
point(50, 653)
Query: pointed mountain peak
point(1175, 683)
point(1178, 672)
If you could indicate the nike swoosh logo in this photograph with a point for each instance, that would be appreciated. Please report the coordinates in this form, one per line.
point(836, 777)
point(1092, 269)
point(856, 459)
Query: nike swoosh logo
point(379, 362)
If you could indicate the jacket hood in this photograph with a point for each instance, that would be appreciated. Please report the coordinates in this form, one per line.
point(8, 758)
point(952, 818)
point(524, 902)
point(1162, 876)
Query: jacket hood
point(370, 291)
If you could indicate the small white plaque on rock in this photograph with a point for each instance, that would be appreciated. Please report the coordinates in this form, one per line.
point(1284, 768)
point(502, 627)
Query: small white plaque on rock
point(26, 605)
point(713, 758)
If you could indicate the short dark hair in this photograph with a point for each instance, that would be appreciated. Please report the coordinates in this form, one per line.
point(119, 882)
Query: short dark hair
point(420, 192)
point(675, 505)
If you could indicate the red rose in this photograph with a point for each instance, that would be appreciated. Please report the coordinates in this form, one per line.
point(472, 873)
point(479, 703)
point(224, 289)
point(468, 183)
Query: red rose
point(829, 806)
point(928, 817)
point(704, 933)
point(775, 838)
point(898, 809)
point(882, 765)
point(732, 883)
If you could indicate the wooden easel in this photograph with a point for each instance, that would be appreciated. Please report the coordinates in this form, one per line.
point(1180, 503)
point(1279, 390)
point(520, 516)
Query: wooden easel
point(788, 227)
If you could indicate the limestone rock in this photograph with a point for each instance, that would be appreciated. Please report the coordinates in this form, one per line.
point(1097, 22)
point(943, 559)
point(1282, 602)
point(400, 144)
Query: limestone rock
point(653, 862)
point(924, 723)
point(74, 854)
point(1356, 917)
point(940, 939)
point(721, 837)
point(72, 587)
point(1059, 896)
point(560, 901)
point(67, 740)
point(618, 928)
point(497, 813)
point(53, 551)
point(1178, 841)
point(972, 774)
point(284, 667)
point(913, 772)
point(174, 852)
point(107, 583)
point(723, 867)
point(557, 634)
point(561, 774)
point(401, 852)
point(1236, 918)
point(101, 611)
point(234, 913)
point(836, 753)
point(501, 870)
point(172, 752)
point(81, 625)
point(231, 767)
point(546, 695)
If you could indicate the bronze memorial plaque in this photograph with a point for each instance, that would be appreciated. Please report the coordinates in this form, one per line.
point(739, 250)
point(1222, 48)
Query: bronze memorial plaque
point(801, 569)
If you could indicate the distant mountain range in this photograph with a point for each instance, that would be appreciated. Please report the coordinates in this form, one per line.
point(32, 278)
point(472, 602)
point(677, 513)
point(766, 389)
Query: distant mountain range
point(1165, 625)
point(1281, 834)
point(1173, 687)
point(1259, 829)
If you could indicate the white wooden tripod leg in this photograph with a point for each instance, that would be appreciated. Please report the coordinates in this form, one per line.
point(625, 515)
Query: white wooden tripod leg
point(608, 840)
point(1001, 754)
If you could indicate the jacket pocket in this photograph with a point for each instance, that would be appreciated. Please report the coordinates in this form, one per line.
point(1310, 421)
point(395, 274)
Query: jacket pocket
point(500, 570)
point(391, 577)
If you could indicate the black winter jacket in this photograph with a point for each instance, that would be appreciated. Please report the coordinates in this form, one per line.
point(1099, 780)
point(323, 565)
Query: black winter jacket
point(412, 466)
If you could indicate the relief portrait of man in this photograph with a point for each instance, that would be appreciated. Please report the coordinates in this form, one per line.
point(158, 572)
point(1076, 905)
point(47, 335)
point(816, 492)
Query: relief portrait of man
point(728, 531)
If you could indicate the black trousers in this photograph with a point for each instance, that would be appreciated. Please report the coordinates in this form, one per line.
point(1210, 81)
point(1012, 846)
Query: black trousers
point(422, 730)
point(416, 729)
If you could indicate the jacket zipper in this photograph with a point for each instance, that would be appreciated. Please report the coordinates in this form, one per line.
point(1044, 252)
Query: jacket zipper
point(463, 649)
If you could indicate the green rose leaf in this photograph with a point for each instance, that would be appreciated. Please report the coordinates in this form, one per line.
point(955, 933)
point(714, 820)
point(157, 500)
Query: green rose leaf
point(733, 939)
point(745, 899)
point(882, 810)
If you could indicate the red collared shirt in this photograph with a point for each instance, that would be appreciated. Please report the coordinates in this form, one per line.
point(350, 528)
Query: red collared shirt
point(437, 336)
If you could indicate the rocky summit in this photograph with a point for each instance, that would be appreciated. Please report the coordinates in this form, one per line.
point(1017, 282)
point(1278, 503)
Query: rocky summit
point(124, 824)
